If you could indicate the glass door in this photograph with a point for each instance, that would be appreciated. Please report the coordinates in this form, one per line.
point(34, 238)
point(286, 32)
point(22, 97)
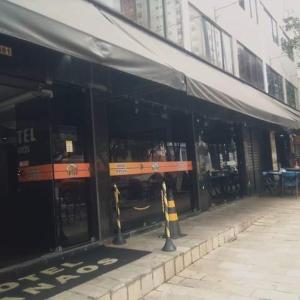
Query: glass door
point(71, 166)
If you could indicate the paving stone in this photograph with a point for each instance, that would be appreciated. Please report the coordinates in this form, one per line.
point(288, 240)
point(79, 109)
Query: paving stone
point(179, 265)
point(147, 283)
point(209, 245)
point(158, 276)
point(187, 258)
point(89, 290)
point(195, 253)
point(120, 294)
point(215, 242)
point(105, 297)
point(169, 269)
point(206, 232)
point(134, 290)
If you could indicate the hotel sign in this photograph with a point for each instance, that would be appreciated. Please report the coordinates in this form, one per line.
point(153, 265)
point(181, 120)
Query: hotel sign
point(53, 279)
point(6, 51)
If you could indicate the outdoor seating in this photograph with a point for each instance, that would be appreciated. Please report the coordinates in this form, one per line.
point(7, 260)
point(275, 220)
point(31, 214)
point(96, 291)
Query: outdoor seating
point(272, 182)
point(290, 182)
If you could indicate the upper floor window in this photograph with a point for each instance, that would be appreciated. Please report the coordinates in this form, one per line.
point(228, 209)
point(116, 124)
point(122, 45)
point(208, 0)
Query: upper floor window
point(291, 94)
point(250, 67)
point(242, 4)
point(227, 52)
point(253, 10)
point(275, 84)
point(163, 17)
point(213, 44)
point(209, 41)
point(273, 27)
point(251, 7)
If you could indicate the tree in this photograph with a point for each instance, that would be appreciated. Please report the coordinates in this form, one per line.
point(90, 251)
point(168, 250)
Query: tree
point(292, 26)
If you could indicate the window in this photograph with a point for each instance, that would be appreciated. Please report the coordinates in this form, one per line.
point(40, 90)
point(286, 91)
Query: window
point(136, 11)
point(242, 4)
point(273, 27)
point(250, 67)
point(163, 17)
point(275, 84)
point(174, 21)
point(291, 94)
point(213, 44)
point(197, 32)
point(113, 4)
point(227, 52)
point(210, 42)
point(253, 9)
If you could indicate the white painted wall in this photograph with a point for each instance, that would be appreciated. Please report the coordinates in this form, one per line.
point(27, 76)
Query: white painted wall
point(257, 37)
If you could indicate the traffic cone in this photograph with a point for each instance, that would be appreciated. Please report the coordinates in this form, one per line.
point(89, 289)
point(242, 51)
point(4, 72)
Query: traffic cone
point(173, 217)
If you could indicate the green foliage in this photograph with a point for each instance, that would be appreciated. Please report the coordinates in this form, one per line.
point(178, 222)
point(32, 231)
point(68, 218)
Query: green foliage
point(292, 26)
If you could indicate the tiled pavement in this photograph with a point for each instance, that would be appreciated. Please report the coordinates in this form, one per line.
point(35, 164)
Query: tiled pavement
point(261, 264)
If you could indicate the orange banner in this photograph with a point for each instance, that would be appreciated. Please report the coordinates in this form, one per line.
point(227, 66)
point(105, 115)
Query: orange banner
point(138, 168)
point(54, 172)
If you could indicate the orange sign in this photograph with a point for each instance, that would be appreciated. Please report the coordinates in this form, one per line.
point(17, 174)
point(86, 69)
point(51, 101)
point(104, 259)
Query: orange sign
point(54, 172)
point(138, 168)
point(4, 50)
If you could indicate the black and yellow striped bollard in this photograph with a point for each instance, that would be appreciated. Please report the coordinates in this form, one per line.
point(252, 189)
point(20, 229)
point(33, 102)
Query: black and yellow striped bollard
point(119, 239)
point(175, 231)
point(169, 245)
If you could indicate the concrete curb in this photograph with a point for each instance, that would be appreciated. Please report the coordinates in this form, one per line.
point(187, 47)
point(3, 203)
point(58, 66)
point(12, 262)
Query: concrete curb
point(136, 281)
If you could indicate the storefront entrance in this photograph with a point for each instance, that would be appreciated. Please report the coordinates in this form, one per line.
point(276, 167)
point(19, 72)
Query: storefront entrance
point(149, 144)
point(26, 207)
point(44, 171)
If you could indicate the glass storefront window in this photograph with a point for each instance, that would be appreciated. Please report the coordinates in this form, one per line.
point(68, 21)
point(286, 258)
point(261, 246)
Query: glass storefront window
point(71, 165)
point(26, 196)
point(144, 148)
point(217, 160)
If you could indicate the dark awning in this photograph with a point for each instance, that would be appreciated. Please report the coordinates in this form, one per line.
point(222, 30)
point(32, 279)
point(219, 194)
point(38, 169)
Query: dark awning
point(79, 28)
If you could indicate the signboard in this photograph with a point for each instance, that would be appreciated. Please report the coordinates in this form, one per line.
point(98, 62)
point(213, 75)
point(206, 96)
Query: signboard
point(54, 172)
point(6, 51)
point(138, 168)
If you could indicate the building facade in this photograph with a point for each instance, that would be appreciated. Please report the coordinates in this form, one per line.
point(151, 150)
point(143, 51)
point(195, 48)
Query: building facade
point(134, 93)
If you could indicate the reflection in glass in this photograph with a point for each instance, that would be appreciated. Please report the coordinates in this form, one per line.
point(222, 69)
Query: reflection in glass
point(70, 148)
point(148, 138)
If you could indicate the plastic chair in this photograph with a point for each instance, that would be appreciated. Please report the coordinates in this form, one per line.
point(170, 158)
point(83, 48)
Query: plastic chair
point(290, 182)
point(271, 185)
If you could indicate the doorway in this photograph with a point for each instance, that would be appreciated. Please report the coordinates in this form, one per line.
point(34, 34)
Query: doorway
point(26, 205)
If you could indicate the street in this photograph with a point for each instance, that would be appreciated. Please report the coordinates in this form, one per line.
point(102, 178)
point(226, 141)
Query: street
point(263, 263)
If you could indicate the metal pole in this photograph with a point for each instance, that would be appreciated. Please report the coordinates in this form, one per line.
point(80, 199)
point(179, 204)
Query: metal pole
point(296, 185)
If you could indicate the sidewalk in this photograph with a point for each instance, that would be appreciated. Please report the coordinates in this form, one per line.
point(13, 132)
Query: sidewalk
point(205, 233)
point(263, 263)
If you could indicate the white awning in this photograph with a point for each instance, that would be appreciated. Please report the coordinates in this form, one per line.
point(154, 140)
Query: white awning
point(79, 28)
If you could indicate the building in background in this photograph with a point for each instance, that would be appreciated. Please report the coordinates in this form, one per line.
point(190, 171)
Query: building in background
point(135, 92)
